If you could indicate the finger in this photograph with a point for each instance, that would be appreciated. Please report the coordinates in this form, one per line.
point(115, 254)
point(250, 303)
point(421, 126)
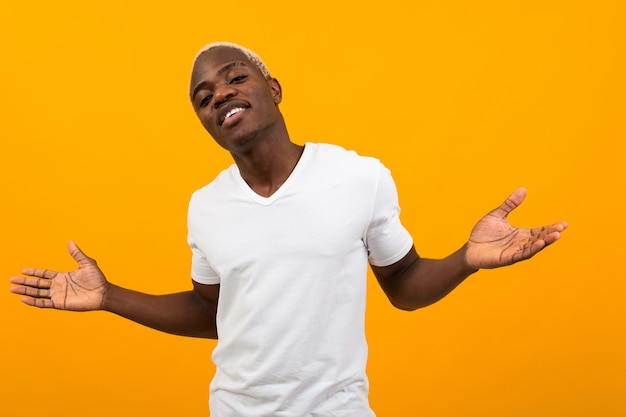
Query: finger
point(511, 203)
point(38, 302)
point(31, 282)
point(542, 241)
point(38, 272)
point(550, 238)
point(31, 292)
point(551, 233)
point(537, 246)
point(78, 255)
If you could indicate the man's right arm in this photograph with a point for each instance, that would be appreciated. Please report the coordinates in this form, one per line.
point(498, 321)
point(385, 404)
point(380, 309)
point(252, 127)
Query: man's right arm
point(190, 313)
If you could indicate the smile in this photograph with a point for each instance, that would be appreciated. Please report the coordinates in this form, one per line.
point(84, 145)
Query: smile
point(232, 112)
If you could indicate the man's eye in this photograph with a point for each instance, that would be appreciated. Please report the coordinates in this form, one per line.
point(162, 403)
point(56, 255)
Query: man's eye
point(238, 79)
point(205, 100)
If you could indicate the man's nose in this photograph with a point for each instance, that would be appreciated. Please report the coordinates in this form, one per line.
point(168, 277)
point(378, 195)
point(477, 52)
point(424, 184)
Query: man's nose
point(222, 94)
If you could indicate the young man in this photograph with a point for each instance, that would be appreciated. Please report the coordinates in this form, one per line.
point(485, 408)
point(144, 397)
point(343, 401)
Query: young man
point(281, 241)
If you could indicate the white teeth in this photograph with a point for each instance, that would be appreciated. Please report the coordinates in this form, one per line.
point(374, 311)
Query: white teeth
point(233, 111)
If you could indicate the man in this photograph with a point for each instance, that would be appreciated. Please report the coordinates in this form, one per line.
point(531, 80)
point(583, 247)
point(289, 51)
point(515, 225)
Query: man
point(281, 241)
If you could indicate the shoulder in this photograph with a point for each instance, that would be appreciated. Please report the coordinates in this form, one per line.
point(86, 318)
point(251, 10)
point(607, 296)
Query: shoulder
point(337, 157)
point(220, 185)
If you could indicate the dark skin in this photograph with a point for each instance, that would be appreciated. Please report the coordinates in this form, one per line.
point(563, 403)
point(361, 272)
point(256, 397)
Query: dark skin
point(256, 137)
point(239, 107)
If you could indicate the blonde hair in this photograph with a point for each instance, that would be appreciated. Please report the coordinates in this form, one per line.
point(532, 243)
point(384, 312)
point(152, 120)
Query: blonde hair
point(251, 56)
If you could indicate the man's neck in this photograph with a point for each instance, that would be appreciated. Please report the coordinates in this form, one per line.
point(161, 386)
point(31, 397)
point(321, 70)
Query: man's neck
point(270, 164)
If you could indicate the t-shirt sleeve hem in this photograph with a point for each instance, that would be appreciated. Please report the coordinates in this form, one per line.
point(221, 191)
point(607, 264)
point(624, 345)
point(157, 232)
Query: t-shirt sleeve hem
point(390, 260)
point(205, 280)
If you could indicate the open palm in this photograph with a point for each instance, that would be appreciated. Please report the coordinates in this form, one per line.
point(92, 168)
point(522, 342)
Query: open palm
point(80, 290)
point(494, 242)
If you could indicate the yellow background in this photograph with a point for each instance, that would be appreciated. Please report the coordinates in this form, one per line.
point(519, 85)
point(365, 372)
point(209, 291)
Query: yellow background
point(463, 100)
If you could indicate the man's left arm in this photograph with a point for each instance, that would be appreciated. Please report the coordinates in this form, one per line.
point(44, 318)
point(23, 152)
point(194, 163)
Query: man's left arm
point(415, 282)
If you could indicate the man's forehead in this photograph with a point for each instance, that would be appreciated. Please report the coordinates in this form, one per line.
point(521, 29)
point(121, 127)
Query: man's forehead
point(218, 57)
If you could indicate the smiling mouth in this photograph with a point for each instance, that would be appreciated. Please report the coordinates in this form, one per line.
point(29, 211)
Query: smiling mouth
point(233, 112)
point(231, 116)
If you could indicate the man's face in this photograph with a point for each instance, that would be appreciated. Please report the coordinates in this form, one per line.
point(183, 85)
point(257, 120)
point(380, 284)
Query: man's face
point(232, 99)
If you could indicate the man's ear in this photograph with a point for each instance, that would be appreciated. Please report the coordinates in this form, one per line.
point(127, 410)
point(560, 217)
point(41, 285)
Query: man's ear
point(277, 90)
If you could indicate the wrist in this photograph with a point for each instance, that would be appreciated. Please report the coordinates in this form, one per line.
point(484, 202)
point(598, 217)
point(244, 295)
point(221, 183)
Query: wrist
point(108, 297)
point(467, 265)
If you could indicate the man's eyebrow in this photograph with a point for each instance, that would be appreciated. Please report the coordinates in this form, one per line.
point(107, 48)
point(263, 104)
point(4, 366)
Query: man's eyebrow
point(221, 71)
point(231, 66)
point(198, 88)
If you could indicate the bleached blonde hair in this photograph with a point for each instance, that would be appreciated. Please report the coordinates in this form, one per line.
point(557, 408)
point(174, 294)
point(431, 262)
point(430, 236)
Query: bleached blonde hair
point(251, 56)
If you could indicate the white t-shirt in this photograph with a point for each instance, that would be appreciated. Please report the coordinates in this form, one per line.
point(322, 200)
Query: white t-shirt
point(292, 271)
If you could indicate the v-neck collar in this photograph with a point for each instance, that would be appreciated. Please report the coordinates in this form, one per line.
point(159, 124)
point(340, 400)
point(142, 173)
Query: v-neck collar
point(266, 201)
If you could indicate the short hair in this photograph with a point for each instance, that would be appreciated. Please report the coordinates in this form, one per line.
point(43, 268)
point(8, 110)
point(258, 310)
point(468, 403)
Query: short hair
point(251, 56)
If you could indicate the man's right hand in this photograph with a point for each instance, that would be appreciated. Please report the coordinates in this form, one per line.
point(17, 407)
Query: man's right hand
point(80, 290)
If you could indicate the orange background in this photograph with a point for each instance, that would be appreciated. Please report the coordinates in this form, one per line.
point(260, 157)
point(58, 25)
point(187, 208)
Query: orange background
point(463, 100)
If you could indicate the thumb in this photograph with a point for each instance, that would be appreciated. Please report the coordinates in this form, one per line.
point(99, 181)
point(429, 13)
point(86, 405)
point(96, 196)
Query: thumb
point(511, 203)
point(78, 255)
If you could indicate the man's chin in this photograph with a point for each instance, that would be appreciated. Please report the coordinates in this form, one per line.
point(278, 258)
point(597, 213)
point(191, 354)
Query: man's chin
point(242, 145)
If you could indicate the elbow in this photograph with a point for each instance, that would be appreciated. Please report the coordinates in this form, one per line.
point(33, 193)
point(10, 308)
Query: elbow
point(406, 305)
point(405, 308)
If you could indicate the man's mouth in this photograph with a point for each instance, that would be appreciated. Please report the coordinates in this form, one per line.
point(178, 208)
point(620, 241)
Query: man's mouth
point(229, 116)
point(232, 112)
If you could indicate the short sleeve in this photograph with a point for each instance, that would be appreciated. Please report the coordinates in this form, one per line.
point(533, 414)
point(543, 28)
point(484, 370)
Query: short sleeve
point(386, 239)
point(201, 271)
